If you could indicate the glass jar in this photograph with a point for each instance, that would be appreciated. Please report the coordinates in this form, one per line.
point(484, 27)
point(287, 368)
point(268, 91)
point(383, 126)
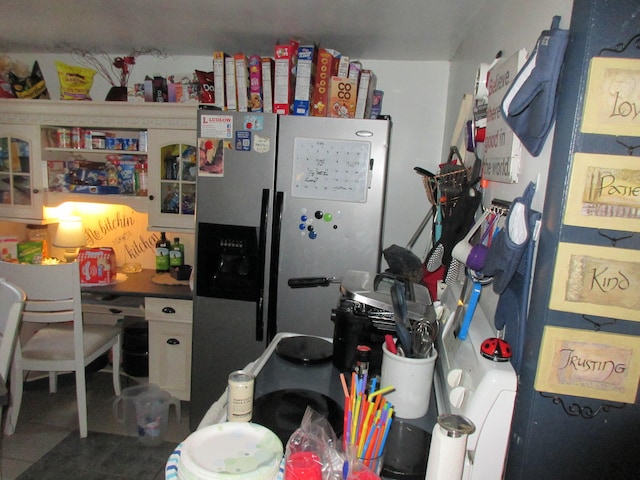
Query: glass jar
point(39, 233)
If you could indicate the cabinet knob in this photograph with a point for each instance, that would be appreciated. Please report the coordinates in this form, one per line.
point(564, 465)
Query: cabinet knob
point(115, 310)
point(151, 197)
point(168, 310)
point(173, 341)
point(36, 191)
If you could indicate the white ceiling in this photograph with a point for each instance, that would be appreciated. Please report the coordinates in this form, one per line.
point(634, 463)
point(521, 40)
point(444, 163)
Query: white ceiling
point(370, 29)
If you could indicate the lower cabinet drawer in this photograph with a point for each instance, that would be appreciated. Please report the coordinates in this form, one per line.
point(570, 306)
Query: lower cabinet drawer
point(170, 357)
point(168, 309)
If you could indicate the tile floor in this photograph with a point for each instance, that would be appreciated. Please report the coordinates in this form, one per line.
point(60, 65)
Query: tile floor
point(46, 418)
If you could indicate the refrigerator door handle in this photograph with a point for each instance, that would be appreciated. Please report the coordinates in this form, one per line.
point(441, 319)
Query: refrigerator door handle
point(272, 327)
point(262, 250)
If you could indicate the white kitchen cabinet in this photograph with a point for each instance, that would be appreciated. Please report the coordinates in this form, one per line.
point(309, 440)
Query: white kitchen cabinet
point(21, 183)
point(173, 172)
point(170, 344)
point(30, 122)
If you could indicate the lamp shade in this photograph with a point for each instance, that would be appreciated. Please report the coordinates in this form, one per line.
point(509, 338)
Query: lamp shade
point(70, 233)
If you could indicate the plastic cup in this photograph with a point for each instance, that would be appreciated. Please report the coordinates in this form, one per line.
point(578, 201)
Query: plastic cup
point(374, 464)
point(303, 466)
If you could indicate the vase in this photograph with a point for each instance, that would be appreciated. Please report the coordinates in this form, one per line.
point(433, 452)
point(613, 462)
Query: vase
point(117, 94)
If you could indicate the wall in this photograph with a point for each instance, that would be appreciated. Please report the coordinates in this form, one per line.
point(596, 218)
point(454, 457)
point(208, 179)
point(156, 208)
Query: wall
point(415, 97)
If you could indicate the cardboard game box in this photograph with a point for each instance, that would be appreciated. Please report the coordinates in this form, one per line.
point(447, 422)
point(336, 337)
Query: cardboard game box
point(97, 266)
point(9, 249)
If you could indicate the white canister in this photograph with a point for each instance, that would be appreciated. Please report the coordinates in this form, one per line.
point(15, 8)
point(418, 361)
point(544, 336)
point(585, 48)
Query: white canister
point(449, 447)
point(412, 379)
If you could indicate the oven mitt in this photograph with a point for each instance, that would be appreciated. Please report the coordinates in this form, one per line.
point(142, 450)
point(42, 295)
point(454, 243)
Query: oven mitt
point(529, 106)
point(454, 228)
point(512, 308)
point(510, 242)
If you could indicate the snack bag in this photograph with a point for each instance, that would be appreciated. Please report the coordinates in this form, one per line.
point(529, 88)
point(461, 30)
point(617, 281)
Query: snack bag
point(31, 86)
point(75, 82)
point(207, 89)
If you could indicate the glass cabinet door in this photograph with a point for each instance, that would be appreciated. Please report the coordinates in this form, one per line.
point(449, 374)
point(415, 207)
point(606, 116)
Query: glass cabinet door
point(172, 177)
point(18, 185)
point(15, 174)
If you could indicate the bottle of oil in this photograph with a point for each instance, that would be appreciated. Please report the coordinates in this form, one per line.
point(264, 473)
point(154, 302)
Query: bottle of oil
point(176, 254)
point(162, 254)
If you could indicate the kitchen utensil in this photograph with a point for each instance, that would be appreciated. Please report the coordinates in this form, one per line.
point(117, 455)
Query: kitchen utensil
point(423, 336)
point(403, 327)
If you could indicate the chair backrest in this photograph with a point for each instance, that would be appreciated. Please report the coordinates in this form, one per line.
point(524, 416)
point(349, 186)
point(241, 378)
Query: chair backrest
point(12, 299)
point(53, 294)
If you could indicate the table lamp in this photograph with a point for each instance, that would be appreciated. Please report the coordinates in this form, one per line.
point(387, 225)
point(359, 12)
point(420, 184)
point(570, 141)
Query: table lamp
point(70, 236)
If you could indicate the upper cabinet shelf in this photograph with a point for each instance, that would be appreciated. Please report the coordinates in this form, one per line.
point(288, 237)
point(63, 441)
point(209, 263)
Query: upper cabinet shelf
point(35, 124)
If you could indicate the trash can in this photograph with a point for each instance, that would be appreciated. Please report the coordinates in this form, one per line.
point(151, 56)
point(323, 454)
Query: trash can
point(135, 349)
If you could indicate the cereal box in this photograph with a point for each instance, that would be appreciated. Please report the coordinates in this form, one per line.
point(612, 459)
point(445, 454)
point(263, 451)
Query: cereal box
point(326, 67)
point(284, 76)
point(343, 97)
point(97, 266)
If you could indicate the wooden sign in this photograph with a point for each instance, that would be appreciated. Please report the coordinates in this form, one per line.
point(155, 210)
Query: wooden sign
point(612, 102)
point(589, 364)
point(604, 192)
point(601, 281)
point(502, 149)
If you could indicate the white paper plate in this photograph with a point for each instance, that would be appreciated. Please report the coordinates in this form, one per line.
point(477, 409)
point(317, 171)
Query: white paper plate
point(228, 450)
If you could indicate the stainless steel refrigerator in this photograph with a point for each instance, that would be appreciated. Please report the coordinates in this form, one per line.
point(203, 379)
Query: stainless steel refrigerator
point(279, 199)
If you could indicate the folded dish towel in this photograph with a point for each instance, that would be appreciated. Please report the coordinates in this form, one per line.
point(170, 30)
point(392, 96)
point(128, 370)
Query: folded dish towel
point(529, 106)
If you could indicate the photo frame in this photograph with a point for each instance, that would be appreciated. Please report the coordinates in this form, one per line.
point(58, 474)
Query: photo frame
point(592, 280)
point(604, 192)
point(599, 365)
point(612, 100)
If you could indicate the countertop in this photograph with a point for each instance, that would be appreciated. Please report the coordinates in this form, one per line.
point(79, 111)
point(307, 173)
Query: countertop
point(140, 285)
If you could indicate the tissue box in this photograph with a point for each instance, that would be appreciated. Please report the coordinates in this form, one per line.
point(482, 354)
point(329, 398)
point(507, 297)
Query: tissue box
point(97, 266)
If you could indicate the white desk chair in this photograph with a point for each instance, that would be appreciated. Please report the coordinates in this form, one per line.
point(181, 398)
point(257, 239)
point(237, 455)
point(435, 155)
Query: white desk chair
point(62, 343)
point(12, 300)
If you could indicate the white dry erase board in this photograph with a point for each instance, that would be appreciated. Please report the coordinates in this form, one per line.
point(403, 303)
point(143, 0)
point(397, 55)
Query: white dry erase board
point(331, 169)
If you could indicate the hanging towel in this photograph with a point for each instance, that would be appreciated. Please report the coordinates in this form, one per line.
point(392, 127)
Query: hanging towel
point(529, 106)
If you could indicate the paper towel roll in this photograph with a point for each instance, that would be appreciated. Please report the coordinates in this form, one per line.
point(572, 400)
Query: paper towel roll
point(448, 448)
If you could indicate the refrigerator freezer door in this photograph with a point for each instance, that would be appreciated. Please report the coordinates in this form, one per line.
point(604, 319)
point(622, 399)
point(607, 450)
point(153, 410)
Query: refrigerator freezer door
point(233, 227)
point(330, 194)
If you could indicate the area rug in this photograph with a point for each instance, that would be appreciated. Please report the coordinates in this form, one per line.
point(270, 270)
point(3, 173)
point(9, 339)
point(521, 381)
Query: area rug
point(101, 456)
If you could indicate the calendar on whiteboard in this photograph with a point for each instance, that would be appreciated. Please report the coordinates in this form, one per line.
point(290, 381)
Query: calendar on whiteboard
point(331, 169)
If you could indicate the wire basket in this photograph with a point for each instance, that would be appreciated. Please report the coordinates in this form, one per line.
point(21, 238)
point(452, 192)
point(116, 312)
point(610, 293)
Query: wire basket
point(446, 186)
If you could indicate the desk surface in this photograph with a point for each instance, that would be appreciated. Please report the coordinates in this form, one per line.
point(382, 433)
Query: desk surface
point(140, 285)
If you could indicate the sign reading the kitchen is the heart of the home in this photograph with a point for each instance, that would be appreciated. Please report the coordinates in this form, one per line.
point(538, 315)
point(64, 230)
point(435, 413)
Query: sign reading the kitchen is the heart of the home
point(589, 364)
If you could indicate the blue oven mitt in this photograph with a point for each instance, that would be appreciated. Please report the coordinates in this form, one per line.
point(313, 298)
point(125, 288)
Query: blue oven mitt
point(508, 245)
point(529, 106)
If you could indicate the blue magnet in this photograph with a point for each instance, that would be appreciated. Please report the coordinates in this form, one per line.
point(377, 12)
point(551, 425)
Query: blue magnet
point(313, 235)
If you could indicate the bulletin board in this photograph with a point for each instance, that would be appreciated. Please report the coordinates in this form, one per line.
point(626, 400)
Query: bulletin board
point(331, 169)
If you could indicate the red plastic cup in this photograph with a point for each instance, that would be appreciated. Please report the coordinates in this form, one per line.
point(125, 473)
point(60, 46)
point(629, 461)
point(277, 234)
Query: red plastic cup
point(303, 466)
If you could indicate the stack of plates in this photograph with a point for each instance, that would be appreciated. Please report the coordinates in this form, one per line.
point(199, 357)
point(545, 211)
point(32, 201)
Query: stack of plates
point(227, 451)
